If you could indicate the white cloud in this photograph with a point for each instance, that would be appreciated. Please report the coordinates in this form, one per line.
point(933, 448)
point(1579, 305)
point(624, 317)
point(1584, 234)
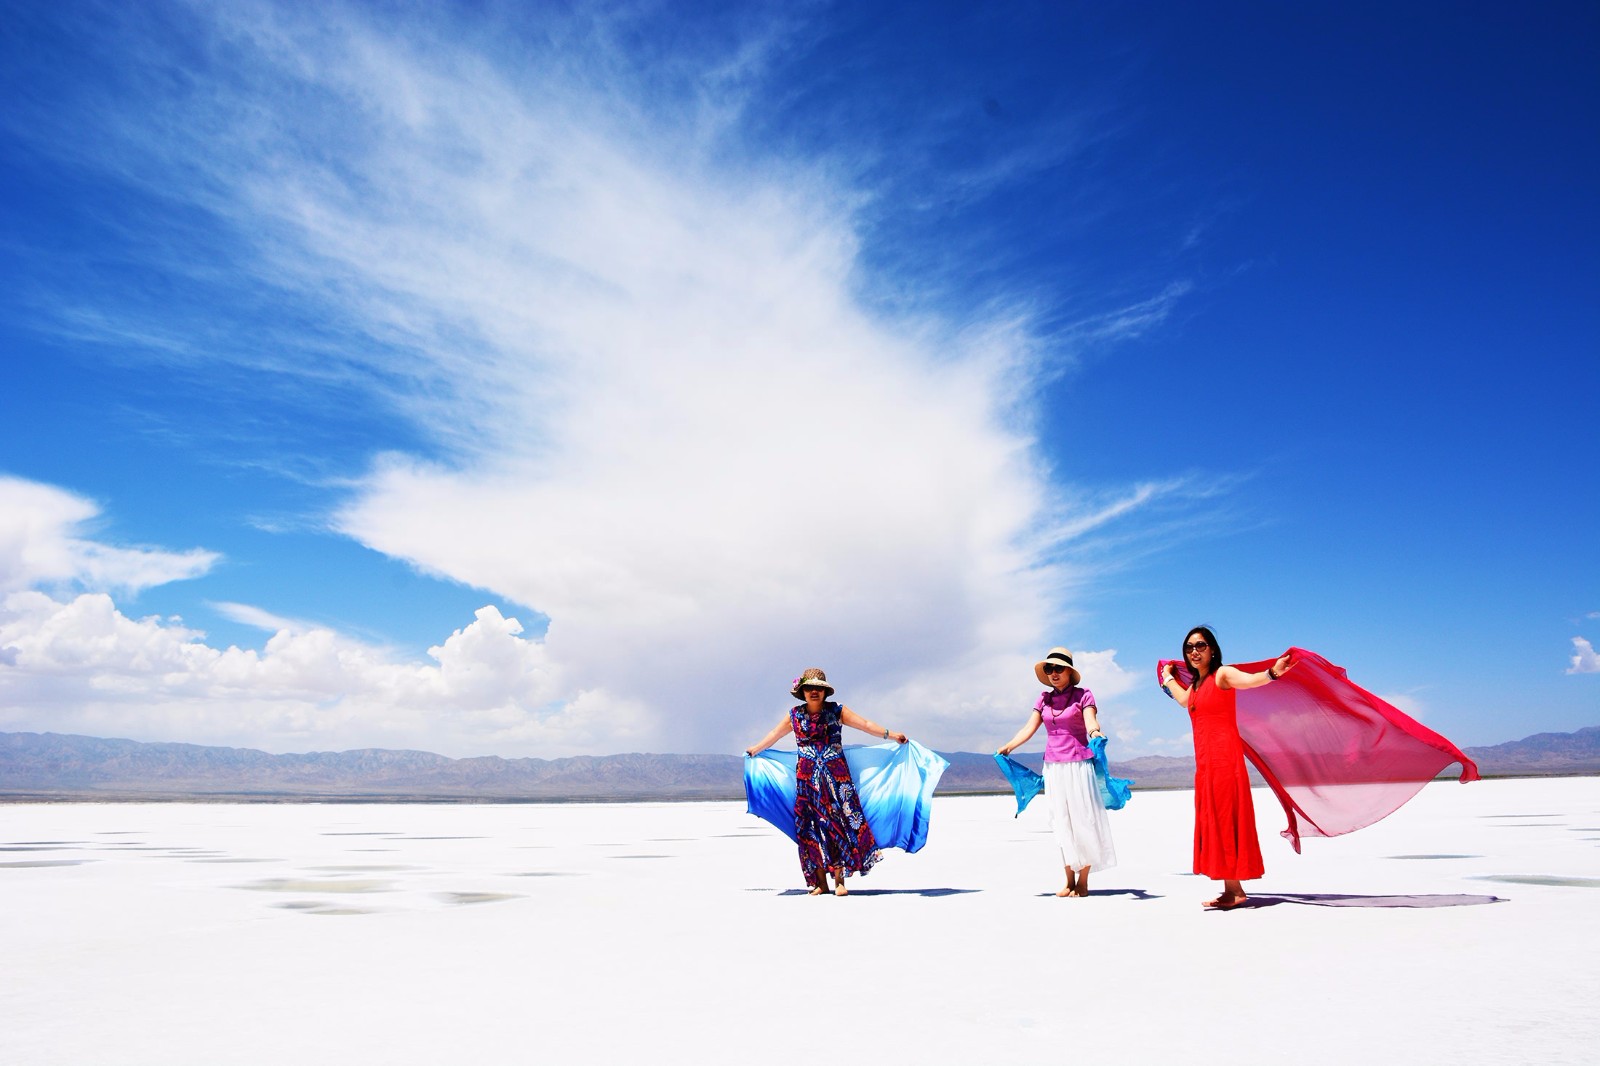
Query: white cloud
point(41, 545)
point(664, 417)
point(1406, 703)
point(1584, 659)
point(247, 615)
point(80, 665)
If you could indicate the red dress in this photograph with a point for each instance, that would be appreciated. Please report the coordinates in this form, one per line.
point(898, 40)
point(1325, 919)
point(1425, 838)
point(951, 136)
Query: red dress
point(1225, 844)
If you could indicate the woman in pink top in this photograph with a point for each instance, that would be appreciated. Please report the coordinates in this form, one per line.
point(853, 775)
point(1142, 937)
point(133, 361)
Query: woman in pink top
point(1077, 817)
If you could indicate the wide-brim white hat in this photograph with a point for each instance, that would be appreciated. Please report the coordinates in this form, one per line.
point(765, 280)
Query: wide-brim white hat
point(1056, 657)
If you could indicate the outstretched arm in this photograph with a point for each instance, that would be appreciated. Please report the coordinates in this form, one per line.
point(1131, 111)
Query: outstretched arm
point(855, 721)
point(1233, 677)
point(1024, 734)
point(779, 731)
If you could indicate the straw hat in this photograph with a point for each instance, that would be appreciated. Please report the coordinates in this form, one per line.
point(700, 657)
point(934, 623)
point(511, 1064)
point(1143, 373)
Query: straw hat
point(810, 677)
point(1057, 657)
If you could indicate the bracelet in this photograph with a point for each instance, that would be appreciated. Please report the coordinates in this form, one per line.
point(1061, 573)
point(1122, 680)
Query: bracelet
point(1273, 675)
point(885, 732)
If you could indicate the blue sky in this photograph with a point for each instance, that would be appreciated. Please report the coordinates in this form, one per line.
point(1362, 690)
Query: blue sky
point(549, 379)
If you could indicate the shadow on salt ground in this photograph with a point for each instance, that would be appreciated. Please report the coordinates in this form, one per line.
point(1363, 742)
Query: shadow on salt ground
point(1333, 899)
point(1136, 893)
point(931, 893)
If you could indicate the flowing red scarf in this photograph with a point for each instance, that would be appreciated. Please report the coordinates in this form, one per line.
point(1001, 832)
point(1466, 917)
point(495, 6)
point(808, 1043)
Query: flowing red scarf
point(1337, 757)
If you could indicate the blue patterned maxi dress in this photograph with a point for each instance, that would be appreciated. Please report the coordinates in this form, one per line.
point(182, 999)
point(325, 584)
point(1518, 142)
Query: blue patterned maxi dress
point(828, 823)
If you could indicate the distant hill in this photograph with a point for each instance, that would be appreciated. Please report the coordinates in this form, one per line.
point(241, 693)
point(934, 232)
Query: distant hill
point(60, 766)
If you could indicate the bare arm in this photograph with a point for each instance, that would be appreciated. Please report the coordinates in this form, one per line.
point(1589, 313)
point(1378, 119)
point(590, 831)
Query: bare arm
point(1233, 677)
point(855, 721)
point(1024, 734)
point(1174, 687)
point(1091, 719)
point(779, 731)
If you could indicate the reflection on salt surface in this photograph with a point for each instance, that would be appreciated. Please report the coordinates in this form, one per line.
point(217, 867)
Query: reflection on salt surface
point(1435, 856)
point(547, 873)
point(443, 838)
point(38, 847)
point(641, 856)
point(476, 897)
point(233, 859)
point(1542, 879)
point(288, 884)
point(365, 833)
point(1527, 825)
point(31, 864)
point(1519, 816)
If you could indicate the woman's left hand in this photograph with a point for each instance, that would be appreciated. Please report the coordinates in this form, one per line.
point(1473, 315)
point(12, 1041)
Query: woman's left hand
point(1284, 664)
point(899, 738)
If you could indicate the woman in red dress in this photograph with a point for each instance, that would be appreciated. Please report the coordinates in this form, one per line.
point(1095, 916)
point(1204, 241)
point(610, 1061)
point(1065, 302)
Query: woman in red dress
point(1226, 848)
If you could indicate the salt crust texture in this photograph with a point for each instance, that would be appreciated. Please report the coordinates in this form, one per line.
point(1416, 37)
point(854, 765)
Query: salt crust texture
point(1463, 929)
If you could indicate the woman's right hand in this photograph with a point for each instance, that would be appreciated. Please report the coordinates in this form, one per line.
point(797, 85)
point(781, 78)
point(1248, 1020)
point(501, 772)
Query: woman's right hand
point(1004, 749)
point(751, 752)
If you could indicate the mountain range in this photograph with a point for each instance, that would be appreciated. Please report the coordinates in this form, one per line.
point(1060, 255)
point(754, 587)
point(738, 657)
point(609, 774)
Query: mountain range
point(54, 766)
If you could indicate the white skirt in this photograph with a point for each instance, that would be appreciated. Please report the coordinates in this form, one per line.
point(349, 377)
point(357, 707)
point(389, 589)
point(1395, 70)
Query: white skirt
point(1078, 819)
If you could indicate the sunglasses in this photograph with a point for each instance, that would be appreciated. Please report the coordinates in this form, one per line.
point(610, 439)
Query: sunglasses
point(1052, 668)
point(1195, 645)
point(808, 689)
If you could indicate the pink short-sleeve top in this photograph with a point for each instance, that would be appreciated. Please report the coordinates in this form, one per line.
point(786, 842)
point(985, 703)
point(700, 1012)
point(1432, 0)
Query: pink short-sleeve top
point(1067, 738)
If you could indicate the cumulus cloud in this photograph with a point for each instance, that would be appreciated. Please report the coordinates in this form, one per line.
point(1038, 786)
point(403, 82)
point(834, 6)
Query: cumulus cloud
point(659, 409)
point(41, 544)
point(1584, 659)
point(80, 665)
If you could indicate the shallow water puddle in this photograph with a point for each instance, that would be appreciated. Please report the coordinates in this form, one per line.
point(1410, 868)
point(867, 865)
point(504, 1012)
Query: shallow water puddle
point(367, 868)
point(462, 898)
point(291, 884)
point(1542, 879)
point(313, 907)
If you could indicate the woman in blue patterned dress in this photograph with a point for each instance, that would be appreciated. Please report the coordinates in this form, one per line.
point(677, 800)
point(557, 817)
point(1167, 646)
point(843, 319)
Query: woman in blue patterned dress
point(828, 824)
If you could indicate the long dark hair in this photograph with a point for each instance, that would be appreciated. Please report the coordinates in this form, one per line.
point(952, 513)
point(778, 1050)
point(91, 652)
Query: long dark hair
point(1216, 651)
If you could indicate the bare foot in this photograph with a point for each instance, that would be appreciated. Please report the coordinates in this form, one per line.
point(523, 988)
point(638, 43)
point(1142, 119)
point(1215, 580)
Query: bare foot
point(1224, 902)
point(840, 890)
point(816, 891)
point(1070, 890)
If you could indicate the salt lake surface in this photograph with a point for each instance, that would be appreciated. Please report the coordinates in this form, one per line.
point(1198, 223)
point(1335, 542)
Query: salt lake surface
point(1465, 928)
